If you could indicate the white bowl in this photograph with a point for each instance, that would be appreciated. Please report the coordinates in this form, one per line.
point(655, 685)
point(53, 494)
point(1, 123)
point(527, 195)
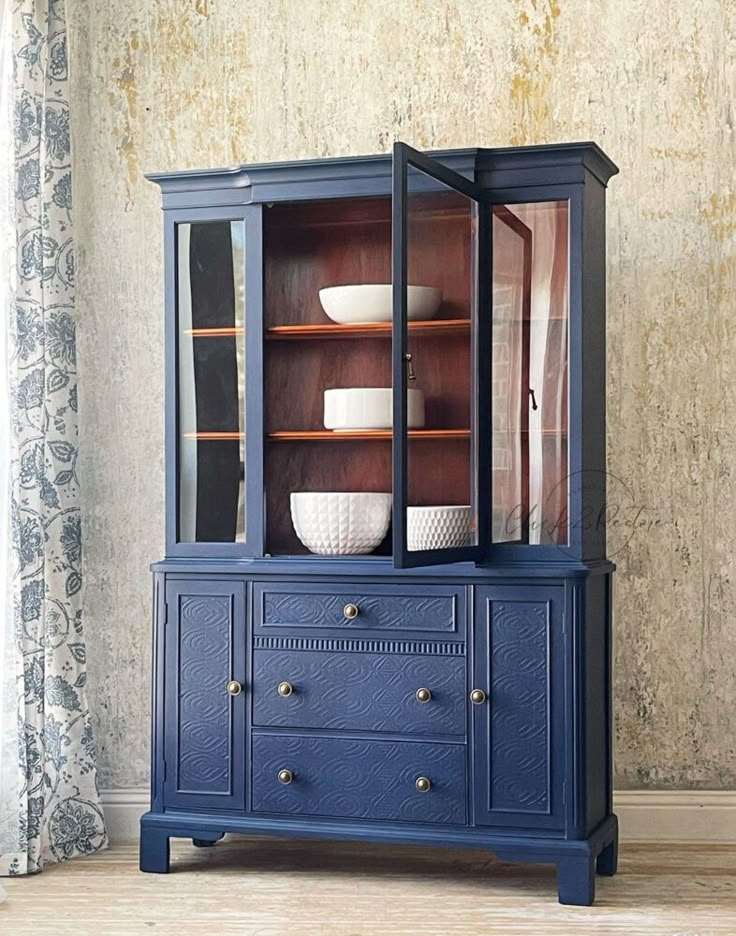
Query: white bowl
point(337, 524)
point(367, 303)
point(369, 408)
point(437, 527)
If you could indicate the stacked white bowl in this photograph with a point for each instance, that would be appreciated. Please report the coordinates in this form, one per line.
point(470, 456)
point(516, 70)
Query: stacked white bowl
point(340, 523)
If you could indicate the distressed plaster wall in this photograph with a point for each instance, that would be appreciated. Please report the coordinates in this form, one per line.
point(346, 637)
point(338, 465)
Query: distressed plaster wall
point(166, 84)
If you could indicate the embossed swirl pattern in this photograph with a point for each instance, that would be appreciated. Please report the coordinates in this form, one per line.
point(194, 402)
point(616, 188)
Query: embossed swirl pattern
point(359, 779)
point(408, 612)
point(204, 706)
point(519, 733)
point(360, 691)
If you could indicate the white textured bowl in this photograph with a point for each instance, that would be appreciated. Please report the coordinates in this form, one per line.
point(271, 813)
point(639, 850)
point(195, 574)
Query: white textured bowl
point(336, 524)
point(368, 303)
point(437, 527)
point(369, 408)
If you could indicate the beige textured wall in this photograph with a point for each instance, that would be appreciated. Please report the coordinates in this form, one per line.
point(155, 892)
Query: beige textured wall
point(168, 84)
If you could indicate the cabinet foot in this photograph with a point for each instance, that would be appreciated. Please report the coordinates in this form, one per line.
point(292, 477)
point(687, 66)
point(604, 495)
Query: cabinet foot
point(576, 881)
point(154, 850)
point(607, 862)
point(208, 841)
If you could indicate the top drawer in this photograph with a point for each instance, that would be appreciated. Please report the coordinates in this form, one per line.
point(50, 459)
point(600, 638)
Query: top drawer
point(398, 609)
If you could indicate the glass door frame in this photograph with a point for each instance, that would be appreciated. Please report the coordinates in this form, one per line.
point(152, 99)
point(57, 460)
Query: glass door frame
point(507, 217)
point(251, 217)
point(576, 518)
point(404, 158)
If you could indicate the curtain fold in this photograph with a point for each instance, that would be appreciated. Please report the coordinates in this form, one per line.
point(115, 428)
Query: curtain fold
point(49, 803)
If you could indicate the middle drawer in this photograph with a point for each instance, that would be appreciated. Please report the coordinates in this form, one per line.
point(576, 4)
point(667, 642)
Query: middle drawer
point(357, 691)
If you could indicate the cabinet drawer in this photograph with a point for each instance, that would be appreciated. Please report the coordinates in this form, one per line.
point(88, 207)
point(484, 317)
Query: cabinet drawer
point(359, 779)
point(435, 609)
point(359, 691)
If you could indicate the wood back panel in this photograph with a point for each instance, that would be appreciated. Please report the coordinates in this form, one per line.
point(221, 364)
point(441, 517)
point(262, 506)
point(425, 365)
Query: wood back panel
point(310, 246)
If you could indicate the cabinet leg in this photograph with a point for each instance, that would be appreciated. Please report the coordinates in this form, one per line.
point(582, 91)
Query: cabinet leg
point(154, 850)
point(207, 842)
point(607, 862)
point(576, 881)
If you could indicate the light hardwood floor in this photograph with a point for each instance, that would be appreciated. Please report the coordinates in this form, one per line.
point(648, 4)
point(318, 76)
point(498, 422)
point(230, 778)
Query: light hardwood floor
point(287, 888)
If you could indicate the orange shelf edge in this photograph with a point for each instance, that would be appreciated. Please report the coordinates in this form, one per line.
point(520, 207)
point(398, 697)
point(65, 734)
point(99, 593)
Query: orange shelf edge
point(228, 332)
point(327, 435)
point(377, 329)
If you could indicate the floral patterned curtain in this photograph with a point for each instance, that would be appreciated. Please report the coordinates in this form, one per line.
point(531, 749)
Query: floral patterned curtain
point(49, 804)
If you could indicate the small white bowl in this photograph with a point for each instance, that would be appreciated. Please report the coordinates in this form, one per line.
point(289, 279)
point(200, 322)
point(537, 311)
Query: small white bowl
point(368, 303)
point(340, 524)
point(369, 409)
point(437, 527)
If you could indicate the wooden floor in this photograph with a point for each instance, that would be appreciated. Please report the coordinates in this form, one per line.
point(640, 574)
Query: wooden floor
point(282, 888)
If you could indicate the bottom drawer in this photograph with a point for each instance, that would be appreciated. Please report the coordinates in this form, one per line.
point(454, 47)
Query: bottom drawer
point(358, 779)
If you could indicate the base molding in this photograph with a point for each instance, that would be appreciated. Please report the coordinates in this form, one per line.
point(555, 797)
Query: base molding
point(684, 816)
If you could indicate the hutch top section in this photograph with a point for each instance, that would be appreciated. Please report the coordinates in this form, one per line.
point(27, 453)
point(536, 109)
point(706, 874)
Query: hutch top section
point(390, 356)
point(555, 164)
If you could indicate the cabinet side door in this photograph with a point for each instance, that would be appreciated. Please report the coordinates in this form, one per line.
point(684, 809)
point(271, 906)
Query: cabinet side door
point(204, 744)
point(518, 728)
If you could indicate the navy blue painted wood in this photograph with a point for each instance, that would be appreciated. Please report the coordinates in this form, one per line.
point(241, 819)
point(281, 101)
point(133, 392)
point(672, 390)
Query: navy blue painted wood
point(527, 774)
point(205, 725)
point(518, 732)
point(359, 779)
point(156, 828)
point(360, 691)
point(381, 568)
point(404, 611)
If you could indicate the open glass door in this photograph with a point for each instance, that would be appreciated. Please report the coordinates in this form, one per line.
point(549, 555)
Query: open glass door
point(441, 435)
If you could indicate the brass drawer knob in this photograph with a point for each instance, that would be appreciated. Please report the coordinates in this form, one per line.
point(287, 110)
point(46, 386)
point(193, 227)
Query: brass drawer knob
point(285, 689)
point(423, 695)
point(477, 697)
point(350, 611)
point(234, 687)
point(423, 784)
point(285, 776)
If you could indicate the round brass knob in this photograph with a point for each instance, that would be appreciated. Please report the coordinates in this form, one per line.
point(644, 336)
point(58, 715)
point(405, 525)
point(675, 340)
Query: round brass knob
point(477, 697)
point(423, 695)
point(350, 611)
point(285, 776)
point(423, 784)
point(285, 689)
point(234, 687)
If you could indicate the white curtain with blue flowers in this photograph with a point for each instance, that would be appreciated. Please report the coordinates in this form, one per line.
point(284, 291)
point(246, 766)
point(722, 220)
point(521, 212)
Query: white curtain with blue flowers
point(49, 804)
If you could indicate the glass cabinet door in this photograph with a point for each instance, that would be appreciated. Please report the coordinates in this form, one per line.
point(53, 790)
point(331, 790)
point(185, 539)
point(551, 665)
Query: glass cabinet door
point(210, 306)
point(440, 244)
point(529, 373)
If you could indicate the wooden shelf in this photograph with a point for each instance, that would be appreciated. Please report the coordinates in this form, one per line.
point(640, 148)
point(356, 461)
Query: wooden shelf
point(376, 330)
point(328, 435)
point(215, 332)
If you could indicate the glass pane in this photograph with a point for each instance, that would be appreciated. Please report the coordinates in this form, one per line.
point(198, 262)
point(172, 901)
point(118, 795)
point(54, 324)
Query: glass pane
point(211, 374)
point(529, 373)
point(441, 503)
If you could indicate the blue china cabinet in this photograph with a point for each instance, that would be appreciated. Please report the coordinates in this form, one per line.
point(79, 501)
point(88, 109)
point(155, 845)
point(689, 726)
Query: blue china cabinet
point(448, 692)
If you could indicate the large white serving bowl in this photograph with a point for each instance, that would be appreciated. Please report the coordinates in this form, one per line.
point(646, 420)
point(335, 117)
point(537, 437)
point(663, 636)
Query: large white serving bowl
point(369, 409)
point(340, 524)
point(437, 527)
point(368, 303)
